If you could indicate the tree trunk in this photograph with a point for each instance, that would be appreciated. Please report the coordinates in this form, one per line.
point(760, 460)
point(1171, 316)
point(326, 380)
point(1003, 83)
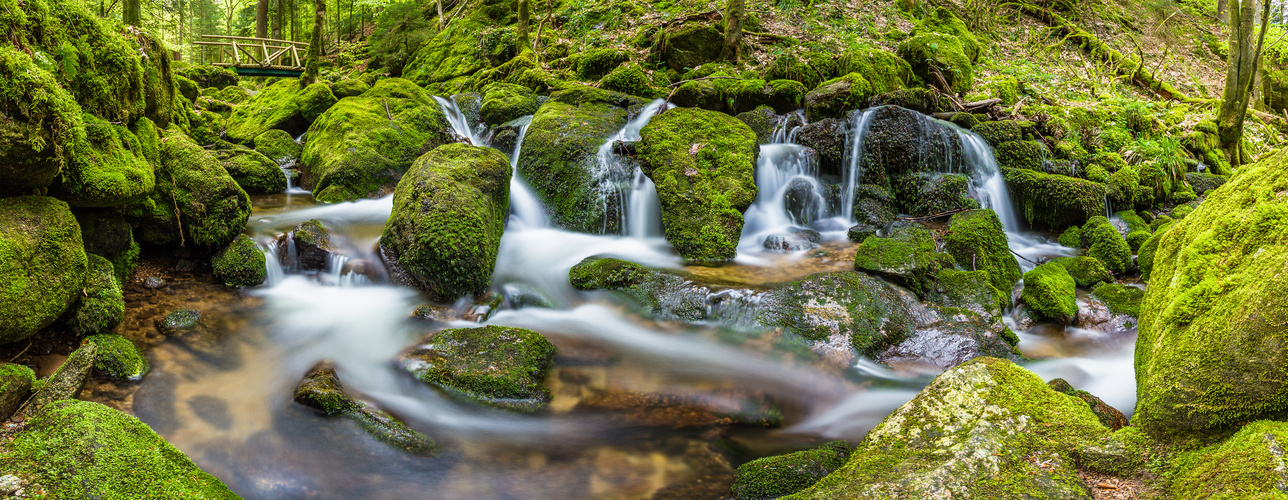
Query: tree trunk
point(440, 14)
point(261, 19)
point(277, 19)
point(315, 44)
point(521, 36)
point(734, 13)
point(131, 13)
point(1223, 10)
point(1241, 69)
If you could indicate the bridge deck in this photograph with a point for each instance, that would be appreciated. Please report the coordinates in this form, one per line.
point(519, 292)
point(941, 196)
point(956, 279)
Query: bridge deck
point(250, 56)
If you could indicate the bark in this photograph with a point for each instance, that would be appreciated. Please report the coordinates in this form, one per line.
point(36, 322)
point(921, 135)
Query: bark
point(1223, 10)
point(277, 19)
point(315, 44)
point(734, 14)
point(131, 14)
point(1241, 68)
point(525, 14)
point(261, 19)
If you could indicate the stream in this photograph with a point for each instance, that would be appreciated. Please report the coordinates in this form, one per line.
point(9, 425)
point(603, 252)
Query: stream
point(231, 410)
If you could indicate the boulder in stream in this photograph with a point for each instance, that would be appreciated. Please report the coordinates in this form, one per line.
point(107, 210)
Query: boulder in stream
point(279, 146)
point(907, 257)
point(1054, 201)
point(503, 102)
point(781, 475)
point(195, 203)
point(42, 264)
point(102, 304)
point(321, 390)
point(493, 365)
point(1051, 292)
point(253, 171)
point(1086, 271)
point(448, 215)
point(109, 166)
point(241, 264)
point(1107, 244)
point(665, 295)
point(118, 358)
point(977, 241)
point(313, 244)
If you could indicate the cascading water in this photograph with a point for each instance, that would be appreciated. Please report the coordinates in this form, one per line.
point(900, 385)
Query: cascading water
point(623, 183)
point(525, 208)
point(460, 124)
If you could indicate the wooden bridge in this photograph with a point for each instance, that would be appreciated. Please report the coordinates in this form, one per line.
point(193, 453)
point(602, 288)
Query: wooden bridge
point(250, 56)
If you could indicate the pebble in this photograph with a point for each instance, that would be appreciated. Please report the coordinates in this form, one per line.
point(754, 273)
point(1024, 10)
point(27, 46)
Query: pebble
point(153, 283)
point(9, 484)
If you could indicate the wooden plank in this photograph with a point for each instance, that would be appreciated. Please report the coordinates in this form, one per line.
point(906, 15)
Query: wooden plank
point(254, 39)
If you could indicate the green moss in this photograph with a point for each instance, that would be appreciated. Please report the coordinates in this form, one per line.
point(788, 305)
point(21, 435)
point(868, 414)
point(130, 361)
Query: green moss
point(187, 88)
point(107, 169)
point(907, 256)
point(498, 366)
point(885, 71)
point(977, 241)
point(462, 49)
point(811, 68)
point(349, 88)
point(361, 146)
point(1104, 242)
point(39, 127)
point(179, 321)
point(1029, 155)
point(1050, 290)
point(629, 79)
point(254, 172)
point(102, 305)
point(928, 193)
point(930, 52)
point(972, 291)
point(118, 357)
point(321, 390)
point(1145, 256)
point(1121, 299)
point(1071, 237)
point(999, 132)
point(241, 264)
point(1122, 187)
point(79, 449)
point(1180, 212)
point(687, 46)
point(762, 121)
point(448, 215)
point(314, 100)
point(1125, 453)
point(503, 102)
point(663, 294)
point(836, 97)
point(595, 63)
point(1097, 173)
point(703, 164)
point(942, 20)
point(278, 146)
point(280, 105)
point(1247, 465)
point(42, 264)
point(1087, 272)
point(776, 476)
point(868, 311)
point(210, 76)
point(212, 208)
point(1054, 201)
point(15, 386)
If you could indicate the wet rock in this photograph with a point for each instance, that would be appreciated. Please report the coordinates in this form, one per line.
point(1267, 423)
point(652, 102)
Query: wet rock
point(860, 232)
point(242, 264)
point(1203, 183)
point(519, 295)
point(1121, 299)
point(79, 449)
point(1054, 201)
point(118, 358)
point(365, 268)
point(922, 100)
point(929, 193)
point(1109, 416)
point(445, 230)
point(828, 140)
point(15, 387)
point(102, 304)
point(837, 97)
point(185, 266)
point(970, 290)
point(781, 475)
point(179, 322)
point(484, 307)
point(66, 382)
point(313, 245)
point(986, 418)
point(675, 411)
point(977, 241)
point(898, 141)
point(803, 200)
point(873, 205)
point(787, 243)
point(762, 121)
point(435, 313)
point(321, 390)
point(253, 171)
point(503, 102)
point(153, 283)
point(497, 366)
point(1087, 272)
point(42, 264)
point(907, 257)
point(665, 295)
point(947, 337)
point(1051, 292)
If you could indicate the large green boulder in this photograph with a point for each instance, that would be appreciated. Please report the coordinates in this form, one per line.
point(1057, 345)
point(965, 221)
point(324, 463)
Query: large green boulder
point(107, 169)
point(1051, 292)
point(907, 256)
point(1087, 272)
point(688, 46)
point(457, 51)
point(975, 432)
point(1212, 350)
point(252, 170)
point(558, 157)
point(102, 304)
point(448, 215)
point(195, 202)
point(936, 54)
point(1106, 244)
point(42, 264)
point(361, 146)
point(1054, 201)
point(780, 475)
point(703, 164)
point(1247, 465)
point(241, 264)
point(282, 105)
point(503, 102)
point(1148, 250)
point(494, 365)
point(977, 241)
point(79, 449)
point(278, 146)
point(1119, 298)
point(837, 97)
point(40, 132)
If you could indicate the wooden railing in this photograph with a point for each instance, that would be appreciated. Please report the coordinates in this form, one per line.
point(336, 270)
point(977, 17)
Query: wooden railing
point(255, 54)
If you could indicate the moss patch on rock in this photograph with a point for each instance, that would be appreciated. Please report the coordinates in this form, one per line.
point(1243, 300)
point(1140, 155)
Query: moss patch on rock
point(781, 475)
point(278, 146)
point(241, 264)
point(1051, 291)
point(1054, 201)
point(118, 357)
point(102, 304)
point(1105, 243)
point(212, 208)
point(907, 256)
point(977, 241)
point(503, 102)
point(497, 366)
point(42, 264)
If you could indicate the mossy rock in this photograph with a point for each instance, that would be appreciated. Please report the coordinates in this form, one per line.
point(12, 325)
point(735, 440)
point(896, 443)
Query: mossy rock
point(1054, 201)
point(118, 358)
point(664, 295)
point(907, 257)
point(350, 87)
point(362, 146)
point(107, 169)
point(254, 172)
point(1051, 292)
point(629, 79)
point(1204, 182)
point(282, 105)
point(503, 102)
point(1105, 243)
point(922, 100)
point(837, 97)
point(780, 475)
point(102, 304)
point(928, 193)
point(213, 209)
point(972, 291)
point(105, 232)
point(971, 433)
point(762, 121)
point(448, 215)
point(1244, 466)
point(1123, 187)
point(1148, 249)
point(1087, 272)
point(1071, 237)
point(810, 68)
point(457, 51)
point(886, 71)
point(79, 449)
point(42, 264)
point(703, 164)
point(942, 20)
point(943, 53)
point(278, 146)
point(1125, 453)
point(40, 131)
point(241, 264)
point(1109, 416)
point(1029, 155)
point(977, 241)
point(314, 245)
point(997, 133)
point(15, 386)
point(688, 46)
point(321, 390)
point(180, 321)
point(869, 312)
point(210, 76)
point(1121, 299)
point(187, 88)
point(493, 365)
point(595, 63)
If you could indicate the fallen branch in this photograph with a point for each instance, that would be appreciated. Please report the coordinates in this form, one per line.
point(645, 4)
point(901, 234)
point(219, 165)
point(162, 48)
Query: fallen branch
point(1026, 259)
point(935, 216)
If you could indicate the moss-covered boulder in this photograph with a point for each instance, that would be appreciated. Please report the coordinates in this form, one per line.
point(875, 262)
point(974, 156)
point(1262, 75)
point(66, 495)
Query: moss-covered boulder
point(448, 215)
point(1054, 201)
point(252, 170)
point(313, 245)
point(935, 54)
point(1136, 231)
point(907, 256)
point(497, 366)
point(321, 390)
point(362, 146)
point(118, 358)
point(210, 76)
point(282, 105)
point(349, 88)
point(762, 121)
point(781, 475)
point(1244, 466)
point(39, 133)
point(1051, 292)
point(42, 264)
point(1105, 243)
point(837, 97)
point(15, 387)
point(558, 158)
point(999, 132)
point(503, 102)
point(703, 163)
point(665, 295)
point(932, 193)
point(977, 241)
point(687, 46)
point(1121, 299)
point(898, 142)
point(1211, 349)
point(79, 449)
point(630, 79)
point(241, 264)
point(1029, 155)
point(1204, 182)
point(187, 88)
point(195, 203)
point(1071, 237)
point(278, 146)
point(102, 304)
point(973, 432)
point(970, 290)
point(1087, 272)
point(1148, 249)
point(108, 168)
point(1109, 416)
point(460, 50)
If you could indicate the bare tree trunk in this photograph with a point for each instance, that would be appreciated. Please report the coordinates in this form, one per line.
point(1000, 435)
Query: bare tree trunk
point(1241, 69)
point(734, 14)
point(277, 19)
point(131, 14)
point(439, 3)
point(261, 19)
point(521, 36)
point(315, 44)
point(1223, 10)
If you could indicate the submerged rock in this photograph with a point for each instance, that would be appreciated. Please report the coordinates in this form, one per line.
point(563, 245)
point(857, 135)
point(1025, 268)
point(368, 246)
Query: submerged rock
point(703, 163)
point(666, 295)
point(321, 390)
point(983, 429)
point(907, 257)
point(42, 264)
point(449, 212)
point(497, 366)
point(79, 449)
point(781, 475)
point(102, 304)
point(241, 264)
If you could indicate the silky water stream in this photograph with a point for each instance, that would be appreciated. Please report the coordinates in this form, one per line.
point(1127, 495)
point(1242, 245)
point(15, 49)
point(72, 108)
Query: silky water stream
point(627, 419)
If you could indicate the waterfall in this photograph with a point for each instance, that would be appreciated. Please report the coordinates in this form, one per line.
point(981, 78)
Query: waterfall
point(622, 182)
point(525, 208)
point(854, 150)
point(987, 183)
point(460, 124)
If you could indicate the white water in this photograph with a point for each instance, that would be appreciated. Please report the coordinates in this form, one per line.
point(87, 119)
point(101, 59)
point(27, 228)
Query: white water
point(460, 125)
point(640, 211)
point(525, 209)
